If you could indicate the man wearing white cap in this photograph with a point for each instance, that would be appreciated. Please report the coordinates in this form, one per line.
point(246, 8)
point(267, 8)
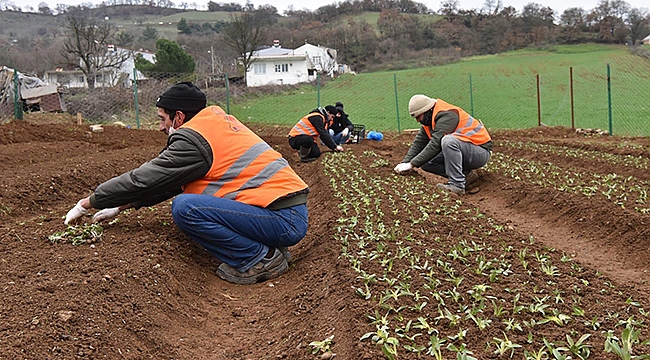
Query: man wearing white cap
point(450, 143)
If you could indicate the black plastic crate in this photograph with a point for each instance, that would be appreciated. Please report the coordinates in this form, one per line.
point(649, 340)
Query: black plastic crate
point(358, 134)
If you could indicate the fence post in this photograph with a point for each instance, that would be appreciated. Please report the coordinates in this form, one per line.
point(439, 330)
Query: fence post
point(226, 80)
point(135, 97)
point(573, 124)
point(609, 99)
point(471, 96)
point(18, 106)
point(399, 130)
point(539, 104)
point(318, 90)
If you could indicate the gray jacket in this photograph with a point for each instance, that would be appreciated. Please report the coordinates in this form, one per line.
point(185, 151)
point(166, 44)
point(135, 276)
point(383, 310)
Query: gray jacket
point(187, 157)
point(423, 149)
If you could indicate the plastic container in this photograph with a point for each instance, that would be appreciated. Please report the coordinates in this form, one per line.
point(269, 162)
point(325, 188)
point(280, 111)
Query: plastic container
point(358, 133)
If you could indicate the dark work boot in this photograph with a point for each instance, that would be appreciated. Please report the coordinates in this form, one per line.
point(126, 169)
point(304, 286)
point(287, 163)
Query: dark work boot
point(286, 253)
point(304, 155)
point(452, 188)
point(470, 179)
point(267, 268)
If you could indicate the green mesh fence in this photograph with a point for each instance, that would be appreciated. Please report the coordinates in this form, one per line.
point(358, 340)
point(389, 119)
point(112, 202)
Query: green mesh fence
point(503, 93)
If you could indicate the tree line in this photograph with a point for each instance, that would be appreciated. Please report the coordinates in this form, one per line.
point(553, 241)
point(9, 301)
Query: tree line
point(406, 33)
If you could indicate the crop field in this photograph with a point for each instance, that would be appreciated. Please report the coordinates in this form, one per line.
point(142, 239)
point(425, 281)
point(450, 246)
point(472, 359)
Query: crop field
point(549, 260)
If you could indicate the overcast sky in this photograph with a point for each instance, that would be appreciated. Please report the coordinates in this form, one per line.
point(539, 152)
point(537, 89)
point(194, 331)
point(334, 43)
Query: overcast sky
point(558, 5)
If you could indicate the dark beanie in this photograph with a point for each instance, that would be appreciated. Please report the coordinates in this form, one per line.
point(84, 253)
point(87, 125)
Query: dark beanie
point(331, 109)
point(339, 105)
point(183, 96)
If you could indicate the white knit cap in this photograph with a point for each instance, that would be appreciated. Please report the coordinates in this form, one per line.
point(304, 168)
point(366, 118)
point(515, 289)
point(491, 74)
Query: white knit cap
point(419, 104)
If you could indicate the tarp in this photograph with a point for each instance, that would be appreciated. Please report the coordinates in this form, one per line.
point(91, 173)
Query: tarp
point(32, 90)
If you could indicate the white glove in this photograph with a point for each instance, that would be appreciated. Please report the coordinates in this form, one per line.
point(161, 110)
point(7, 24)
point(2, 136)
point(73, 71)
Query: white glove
point(403, 167)
point(76, 212)
point(105, 214)
point(339, 148)
point(345, 132)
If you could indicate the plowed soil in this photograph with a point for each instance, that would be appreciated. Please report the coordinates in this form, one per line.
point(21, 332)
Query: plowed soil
point(145, 291)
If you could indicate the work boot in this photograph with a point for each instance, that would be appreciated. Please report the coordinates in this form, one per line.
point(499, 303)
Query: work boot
point(471, 178)
point(304, 154)
point(285, 252)
point(452, 188)
point(267, 268)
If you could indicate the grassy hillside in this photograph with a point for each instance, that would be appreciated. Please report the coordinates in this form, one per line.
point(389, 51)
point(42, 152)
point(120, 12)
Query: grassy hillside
point(17, 25)
point(503, 93)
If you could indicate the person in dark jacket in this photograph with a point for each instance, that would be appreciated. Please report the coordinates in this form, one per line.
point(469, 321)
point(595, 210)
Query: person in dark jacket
point(451, 143)
point(233, 194)
point(341, 127)
point(305, 134)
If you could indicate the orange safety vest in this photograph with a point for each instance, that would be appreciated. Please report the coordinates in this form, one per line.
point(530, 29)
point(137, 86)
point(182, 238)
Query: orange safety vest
point(244, 167)
point(468, 129)
point(304, 126)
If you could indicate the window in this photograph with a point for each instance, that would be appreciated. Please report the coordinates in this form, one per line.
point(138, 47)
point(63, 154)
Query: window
point(281, 68)
point(316, 60)
point(259, 69)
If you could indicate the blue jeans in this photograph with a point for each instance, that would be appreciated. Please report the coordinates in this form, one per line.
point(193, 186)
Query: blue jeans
point(238, 234)
point(338, 138)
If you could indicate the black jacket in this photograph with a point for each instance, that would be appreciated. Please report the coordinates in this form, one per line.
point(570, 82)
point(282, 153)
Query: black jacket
point(340, 123)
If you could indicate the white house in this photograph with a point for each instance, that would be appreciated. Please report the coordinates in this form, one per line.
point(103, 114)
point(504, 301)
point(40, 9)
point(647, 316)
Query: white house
point(107, 77)
point(277, 65)
point(646, 40)
point(324, 59)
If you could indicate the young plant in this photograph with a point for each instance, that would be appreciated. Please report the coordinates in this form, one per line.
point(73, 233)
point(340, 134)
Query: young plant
point(579, 348)
point(382, 338)
point(504, 345)
point(623, 347)
point(77, 235)
point(321, 346)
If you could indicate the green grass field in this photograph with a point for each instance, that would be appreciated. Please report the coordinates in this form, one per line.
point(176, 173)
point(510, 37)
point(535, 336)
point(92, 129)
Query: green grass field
point(503, 92)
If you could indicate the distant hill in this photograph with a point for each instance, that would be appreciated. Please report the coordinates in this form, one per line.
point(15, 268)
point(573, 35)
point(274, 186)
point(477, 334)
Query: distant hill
point(130, 18)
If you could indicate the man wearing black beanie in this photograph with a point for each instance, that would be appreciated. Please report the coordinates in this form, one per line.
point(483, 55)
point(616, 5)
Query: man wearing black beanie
point(233, 194)
point(305, 133)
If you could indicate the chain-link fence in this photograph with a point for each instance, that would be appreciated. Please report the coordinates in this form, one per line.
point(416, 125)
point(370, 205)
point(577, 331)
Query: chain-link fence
point(611, 96)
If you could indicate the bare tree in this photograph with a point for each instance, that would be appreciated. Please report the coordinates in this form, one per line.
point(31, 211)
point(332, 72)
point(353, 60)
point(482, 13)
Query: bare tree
point(87, 48)
point(638, 22)
point(245, 33)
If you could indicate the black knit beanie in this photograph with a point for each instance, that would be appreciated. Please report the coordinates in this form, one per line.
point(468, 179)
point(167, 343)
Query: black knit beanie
point(332, 110)
point(339, 105)
point(184, 96)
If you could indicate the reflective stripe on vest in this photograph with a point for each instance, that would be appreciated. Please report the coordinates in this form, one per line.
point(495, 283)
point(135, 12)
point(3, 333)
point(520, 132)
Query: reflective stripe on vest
point(305, 127)
point(468, 129)
point(244, 167)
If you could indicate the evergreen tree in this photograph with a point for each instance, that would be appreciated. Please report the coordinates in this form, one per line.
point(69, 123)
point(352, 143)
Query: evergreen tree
point(150, 33)
point(183, 28)
point(170, 58)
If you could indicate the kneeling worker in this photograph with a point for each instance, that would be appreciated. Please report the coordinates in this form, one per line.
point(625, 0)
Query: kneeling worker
point(233, 194)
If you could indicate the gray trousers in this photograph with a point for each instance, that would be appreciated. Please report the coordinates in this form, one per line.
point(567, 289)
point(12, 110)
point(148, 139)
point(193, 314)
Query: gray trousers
point(456, 160)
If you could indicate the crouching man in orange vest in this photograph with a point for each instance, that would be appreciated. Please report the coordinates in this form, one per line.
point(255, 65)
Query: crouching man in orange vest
point(450, 143)
point(305, 133)
point(234, 194)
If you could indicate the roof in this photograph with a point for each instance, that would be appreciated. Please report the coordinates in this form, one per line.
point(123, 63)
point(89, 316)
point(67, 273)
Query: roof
point(38, 91)
point(273, 51)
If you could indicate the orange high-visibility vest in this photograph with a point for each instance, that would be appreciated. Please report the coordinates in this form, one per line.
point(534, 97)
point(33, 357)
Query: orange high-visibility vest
point(244, 167)
point(468, 129)
point(304, 126)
